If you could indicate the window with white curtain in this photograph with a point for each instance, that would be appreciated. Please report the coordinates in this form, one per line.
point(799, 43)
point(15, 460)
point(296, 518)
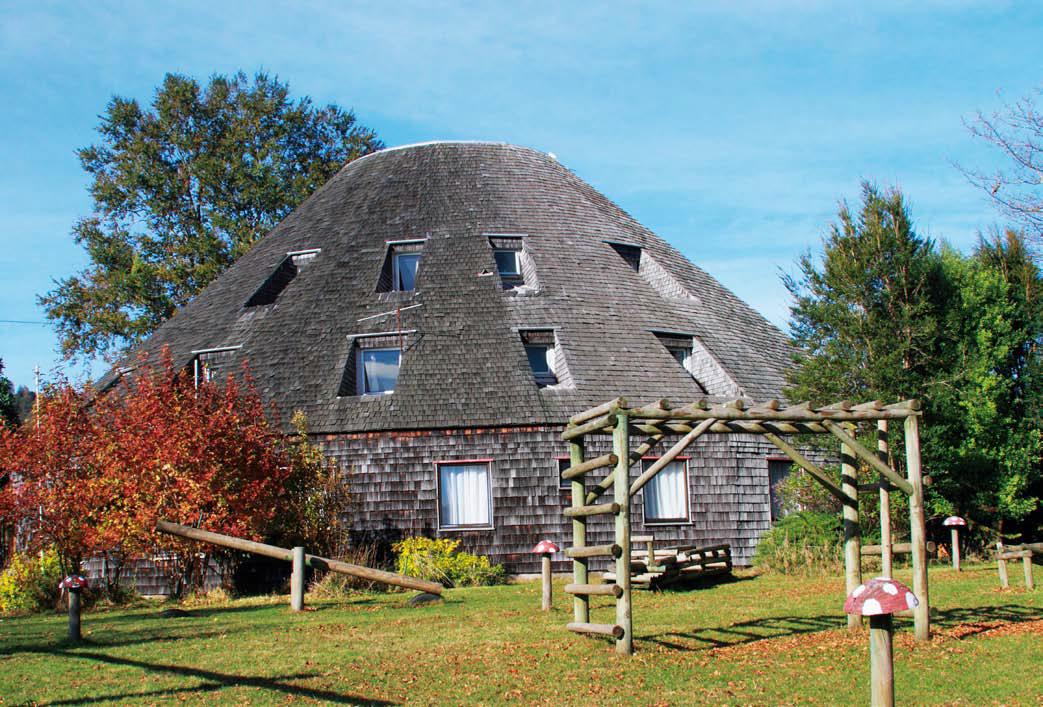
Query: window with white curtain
point(666, 495)
point(464, 498)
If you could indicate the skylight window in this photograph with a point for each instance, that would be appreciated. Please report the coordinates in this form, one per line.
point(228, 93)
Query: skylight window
point(542, 352)
point(401, 265)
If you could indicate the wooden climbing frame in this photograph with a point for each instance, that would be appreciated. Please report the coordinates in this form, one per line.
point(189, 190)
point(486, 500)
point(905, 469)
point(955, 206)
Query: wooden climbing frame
point(772, 420)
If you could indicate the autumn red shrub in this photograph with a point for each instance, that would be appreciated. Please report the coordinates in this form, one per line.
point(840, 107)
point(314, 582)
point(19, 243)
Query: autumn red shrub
point(93, 473)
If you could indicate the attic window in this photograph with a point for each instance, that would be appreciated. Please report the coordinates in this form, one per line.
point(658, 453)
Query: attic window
point(373, 365)
point(282, 276)
point(400, 266)
point(210, 364)
point(631, 254)
point(541, 351)
point(508, 252)
point(681, 347)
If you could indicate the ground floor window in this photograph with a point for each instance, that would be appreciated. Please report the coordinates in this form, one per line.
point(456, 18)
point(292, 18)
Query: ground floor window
point(778, 470)
point(464, 497)
point(666, 495)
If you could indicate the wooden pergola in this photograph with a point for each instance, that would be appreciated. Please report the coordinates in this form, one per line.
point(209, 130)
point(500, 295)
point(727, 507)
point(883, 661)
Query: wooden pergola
point(772, 420)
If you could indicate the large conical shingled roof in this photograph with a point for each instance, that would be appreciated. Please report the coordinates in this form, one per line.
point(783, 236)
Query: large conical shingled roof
point(466, 365)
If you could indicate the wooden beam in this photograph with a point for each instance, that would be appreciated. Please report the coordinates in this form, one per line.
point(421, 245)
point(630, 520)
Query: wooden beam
point(599, 510)
point(869, 457)
point(578, 470)
point(602, 590)
point(896, 548)
point(886, 556)
point(670, 455)
point(798, 459)
point(610, 630)
point(621, 496)
point(917, 530)
point(279, 553)
point(595, 425)
point(580, 604)
point(852, 530)
point(598, 411)
point(594, 551)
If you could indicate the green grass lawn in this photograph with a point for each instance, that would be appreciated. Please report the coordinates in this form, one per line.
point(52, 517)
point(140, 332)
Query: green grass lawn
point(754, 640)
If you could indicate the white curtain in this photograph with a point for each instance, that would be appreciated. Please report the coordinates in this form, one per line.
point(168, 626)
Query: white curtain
point(464, 494)
point(666, 495)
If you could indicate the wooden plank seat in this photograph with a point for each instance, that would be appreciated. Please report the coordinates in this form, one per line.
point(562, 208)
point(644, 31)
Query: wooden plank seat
point(669, 565)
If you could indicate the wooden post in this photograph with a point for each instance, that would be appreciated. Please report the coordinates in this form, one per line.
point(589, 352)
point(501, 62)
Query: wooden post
point(621, 489)
point(297, 580)
point(74, 615)
point(1027, 560)
point(886, 556)
point(547, 584)
point(917, 529)
point(1001, 565)
point(852, 532)
point(956, 548)
point(881, 661)
point(580, 602)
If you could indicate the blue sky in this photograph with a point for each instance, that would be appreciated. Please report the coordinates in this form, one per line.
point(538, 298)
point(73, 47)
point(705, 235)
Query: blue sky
point(731, 129)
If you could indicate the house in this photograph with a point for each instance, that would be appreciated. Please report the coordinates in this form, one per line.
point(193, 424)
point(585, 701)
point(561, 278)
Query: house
point(439, 310)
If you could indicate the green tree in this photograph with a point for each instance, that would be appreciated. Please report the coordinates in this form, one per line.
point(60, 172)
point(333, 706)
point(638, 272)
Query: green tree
point(182, 188)
point(866, 320)
point(8, 403)
point(985, 433)
point(883, 314)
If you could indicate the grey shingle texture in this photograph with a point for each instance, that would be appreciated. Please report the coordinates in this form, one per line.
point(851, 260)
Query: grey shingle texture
point(466, 366)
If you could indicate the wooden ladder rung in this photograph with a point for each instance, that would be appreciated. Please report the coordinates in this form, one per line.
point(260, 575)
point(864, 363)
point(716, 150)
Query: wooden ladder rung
point(601, 590)
point(590, 465)
point(597, 510)
point(611, 630)
point(594, 551)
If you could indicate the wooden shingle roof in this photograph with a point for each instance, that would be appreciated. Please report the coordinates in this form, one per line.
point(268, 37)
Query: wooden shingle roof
point(465, 364)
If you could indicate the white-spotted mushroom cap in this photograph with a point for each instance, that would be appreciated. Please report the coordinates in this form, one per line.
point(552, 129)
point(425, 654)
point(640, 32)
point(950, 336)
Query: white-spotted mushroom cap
point(954, 521)
point(73, 581)
point(545, 547)
point(880, 596)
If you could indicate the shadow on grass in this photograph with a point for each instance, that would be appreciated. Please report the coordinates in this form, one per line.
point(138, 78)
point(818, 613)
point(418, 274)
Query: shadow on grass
point(977, 619)
point(696, 583)
point(212, 681)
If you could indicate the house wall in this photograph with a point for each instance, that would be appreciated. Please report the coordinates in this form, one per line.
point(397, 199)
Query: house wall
point(393, 480)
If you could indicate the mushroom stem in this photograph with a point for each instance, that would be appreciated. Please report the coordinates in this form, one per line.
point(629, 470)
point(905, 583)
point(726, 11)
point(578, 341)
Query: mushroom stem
point(881, 661)
point(74, 615)
point(546, 582)
point(956, 548)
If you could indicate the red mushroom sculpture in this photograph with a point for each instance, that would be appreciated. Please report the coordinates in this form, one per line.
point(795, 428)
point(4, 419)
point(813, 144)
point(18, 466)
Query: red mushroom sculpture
point(878, 599)
point(954, 523)
point(74, 584)
point(546, 548)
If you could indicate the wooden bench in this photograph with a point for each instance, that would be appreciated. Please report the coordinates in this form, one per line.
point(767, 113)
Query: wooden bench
point(652, 568)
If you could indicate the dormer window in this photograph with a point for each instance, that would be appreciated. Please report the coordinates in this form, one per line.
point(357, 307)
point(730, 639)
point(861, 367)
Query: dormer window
point(509, 254)
point(373, 365)
point(377, 371)
point(631, 254)
point(281, 277)
point(401, 265)
point(210, 364)
point(681, 347)
point(542, 352)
